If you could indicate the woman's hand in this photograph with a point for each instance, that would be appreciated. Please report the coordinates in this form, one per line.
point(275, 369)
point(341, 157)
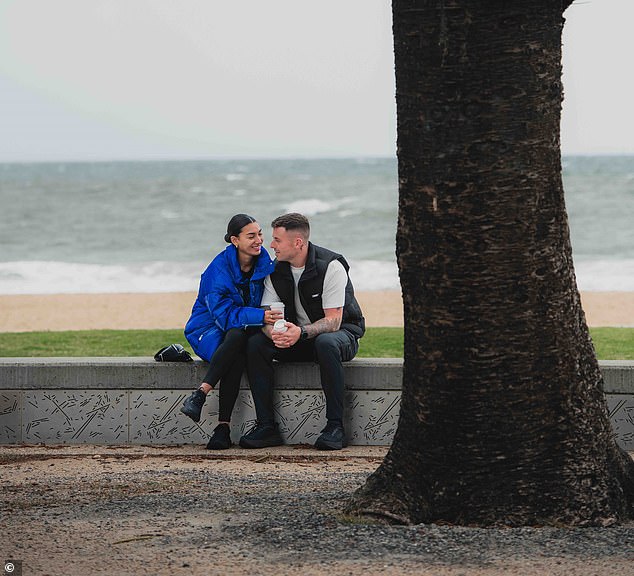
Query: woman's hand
point(270, 316)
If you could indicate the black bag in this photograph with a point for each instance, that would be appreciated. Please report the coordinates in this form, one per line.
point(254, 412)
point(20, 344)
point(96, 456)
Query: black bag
point(173, 353)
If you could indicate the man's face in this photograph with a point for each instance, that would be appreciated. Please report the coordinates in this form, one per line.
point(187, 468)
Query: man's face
point(286, 245)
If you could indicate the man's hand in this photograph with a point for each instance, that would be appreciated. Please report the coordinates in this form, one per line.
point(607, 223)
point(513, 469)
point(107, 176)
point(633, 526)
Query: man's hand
point(330, 323)
point(288, 338)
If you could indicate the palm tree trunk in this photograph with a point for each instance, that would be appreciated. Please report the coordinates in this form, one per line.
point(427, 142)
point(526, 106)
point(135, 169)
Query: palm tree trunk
point(503, 418)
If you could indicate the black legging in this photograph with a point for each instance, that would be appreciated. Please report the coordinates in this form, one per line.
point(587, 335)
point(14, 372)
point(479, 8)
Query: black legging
point(227, 365)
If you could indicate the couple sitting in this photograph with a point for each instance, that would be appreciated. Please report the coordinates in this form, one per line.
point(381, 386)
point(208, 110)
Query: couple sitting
point(231, 325)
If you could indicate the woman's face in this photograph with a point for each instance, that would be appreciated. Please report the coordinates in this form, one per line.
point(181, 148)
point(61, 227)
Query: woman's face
point(250, 240)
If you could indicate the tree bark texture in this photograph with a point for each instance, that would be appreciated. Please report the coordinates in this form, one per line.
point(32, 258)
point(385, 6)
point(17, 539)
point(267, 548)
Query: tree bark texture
point(503, 418)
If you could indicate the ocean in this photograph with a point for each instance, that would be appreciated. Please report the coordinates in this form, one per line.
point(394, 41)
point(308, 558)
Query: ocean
point(154, 226)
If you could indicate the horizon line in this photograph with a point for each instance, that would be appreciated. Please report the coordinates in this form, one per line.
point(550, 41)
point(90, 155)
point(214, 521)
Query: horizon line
point(261, 158)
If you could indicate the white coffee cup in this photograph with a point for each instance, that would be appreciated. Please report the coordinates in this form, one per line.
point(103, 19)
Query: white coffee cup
point(280, 326)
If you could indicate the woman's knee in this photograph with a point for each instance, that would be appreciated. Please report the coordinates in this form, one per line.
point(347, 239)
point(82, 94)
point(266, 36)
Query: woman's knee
point(236, 336)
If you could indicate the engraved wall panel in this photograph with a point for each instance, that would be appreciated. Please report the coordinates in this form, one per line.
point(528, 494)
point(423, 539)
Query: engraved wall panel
point(621, 409)
point(10, 417)
point(75, 416)
point(153, 416)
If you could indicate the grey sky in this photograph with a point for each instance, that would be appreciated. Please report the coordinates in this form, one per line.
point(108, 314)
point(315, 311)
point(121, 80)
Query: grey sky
point(128, 79)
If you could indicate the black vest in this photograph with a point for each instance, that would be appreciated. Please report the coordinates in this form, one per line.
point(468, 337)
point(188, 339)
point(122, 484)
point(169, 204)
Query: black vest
point(311, 286)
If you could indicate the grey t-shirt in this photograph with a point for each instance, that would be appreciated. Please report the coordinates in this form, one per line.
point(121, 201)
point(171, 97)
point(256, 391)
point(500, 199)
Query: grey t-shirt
point(333, 296)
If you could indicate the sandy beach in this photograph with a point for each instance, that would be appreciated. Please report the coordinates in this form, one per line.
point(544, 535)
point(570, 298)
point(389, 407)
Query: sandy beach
point(26, 313)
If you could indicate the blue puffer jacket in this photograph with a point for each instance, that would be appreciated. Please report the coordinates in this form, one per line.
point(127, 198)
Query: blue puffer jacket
point(219, 305)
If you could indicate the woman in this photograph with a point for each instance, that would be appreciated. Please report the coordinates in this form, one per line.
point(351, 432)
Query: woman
point(224, 314)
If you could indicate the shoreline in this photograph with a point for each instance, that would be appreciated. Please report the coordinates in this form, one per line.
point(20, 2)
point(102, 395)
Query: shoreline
point(126, 311)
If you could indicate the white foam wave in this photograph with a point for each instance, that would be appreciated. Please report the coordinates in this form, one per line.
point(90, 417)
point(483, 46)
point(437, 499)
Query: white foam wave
point(77, 278)
point(605, 275)
point(309, 207)
point(592, 275)
point(369, 275)
point(313, 206)
point(37, 277)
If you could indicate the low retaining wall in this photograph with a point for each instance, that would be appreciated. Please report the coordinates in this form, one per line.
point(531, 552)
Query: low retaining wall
point(137, 401)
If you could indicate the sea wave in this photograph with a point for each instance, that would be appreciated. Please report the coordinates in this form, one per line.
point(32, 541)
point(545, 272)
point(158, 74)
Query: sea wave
point(605, 275)
point(41, 277)
point(38, 277)
point(314, 206)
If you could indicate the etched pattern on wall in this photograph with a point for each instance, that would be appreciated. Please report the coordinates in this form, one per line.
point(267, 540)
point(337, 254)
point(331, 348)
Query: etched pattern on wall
point(75, 417)
point(154, 417)
point(373, 416)
point(621, 410)
point(10, 417)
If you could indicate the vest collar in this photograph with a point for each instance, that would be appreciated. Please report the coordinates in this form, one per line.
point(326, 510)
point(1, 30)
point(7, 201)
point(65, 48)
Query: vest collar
point(310, 268)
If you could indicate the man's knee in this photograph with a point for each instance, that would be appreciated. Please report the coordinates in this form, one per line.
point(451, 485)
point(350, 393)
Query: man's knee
point(327, 344)
point(340, 345)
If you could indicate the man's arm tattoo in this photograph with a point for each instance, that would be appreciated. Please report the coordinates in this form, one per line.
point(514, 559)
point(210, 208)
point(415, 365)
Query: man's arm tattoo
point(322, 326)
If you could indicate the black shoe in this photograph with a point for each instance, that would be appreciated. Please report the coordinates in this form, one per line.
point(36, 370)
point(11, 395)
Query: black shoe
point(221, 438)
point(194, 405)
point(333, 437)
point(262, 436)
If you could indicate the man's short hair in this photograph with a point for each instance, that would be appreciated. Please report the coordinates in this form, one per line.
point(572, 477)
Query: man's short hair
point(293, 221)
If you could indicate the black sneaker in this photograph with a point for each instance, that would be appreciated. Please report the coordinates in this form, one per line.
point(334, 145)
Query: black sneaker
point(262, 436)
point(221, 438)
point(333, 437)
point(194, 405)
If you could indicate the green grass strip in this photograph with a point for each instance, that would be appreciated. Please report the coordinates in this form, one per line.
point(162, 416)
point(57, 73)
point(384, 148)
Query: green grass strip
point(89, 342)
point(610, 343)
point(613, 343)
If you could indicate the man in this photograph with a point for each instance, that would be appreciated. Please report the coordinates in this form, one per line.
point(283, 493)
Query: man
point(324, 324)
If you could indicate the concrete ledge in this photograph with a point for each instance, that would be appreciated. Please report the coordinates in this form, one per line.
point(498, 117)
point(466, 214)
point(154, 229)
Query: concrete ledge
point(618, 376)
point(137, 401)
point(143, 373)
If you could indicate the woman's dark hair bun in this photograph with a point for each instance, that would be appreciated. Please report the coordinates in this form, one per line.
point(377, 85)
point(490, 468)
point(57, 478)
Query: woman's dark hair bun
point(236, 224)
